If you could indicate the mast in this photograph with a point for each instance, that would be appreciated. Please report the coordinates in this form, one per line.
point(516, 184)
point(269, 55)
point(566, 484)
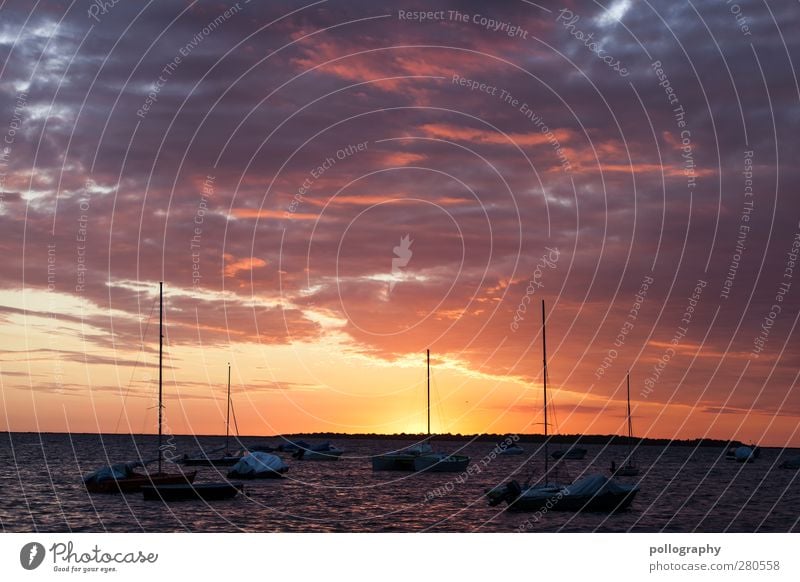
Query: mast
point(228, 414)
point(544, 360)
point(429, 392)
point(630, 424)
point(160, 372)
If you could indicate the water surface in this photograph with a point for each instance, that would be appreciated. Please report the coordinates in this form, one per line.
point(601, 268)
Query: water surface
point(682, 490)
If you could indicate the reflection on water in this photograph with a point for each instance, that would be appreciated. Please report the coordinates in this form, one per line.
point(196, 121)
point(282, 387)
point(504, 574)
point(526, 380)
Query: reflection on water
point(682, 490)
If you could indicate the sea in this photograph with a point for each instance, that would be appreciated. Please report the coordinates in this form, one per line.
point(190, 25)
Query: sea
point(682, 489)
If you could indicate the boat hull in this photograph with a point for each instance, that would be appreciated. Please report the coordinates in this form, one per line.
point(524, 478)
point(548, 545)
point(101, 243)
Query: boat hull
point(393, 462)
point(136, 482)
point(188, 491)
point(554, 501)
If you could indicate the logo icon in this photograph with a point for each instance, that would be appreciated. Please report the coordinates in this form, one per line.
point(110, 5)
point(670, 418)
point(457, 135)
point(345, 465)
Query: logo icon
point(403, 252)
point(31, 555)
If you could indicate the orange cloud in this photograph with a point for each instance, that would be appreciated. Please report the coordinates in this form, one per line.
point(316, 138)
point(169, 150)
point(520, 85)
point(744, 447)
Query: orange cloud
point(456, 133)
point(389, 197)
point(234, 266)
point(586, 160)
point(265, 213)
point(386, 63)
point(402, 158)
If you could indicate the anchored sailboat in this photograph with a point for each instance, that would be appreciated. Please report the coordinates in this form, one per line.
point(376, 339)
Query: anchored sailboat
point(227, 459)
point(592, 493)
point(630, 468)
point(122, 477)
point(421, 457)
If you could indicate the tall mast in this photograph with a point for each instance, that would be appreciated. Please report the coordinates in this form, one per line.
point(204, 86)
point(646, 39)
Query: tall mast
point(228, 414)
point(544, 360)
point(429, 392)
point(630, 424)
point(160, 365)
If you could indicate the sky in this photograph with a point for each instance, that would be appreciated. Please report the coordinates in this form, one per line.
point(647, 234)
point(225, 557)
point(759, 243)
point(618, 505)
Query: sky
point(329, 189)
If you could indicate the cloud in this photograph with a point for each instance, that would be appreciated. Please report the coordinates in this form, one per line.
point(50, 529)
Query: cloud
point(293, 244)
point(235, 266)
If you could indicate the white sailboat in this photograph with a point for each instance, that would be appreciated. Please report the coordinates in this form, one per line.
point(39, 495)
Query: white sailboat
point(592, 493)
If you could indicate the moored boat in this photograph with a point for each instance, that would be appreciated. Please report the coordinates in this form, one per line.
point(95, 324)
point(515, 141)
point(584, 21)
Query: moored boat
point(592, 493)
point(122, 477)
point(227, 459)
point(402, 460)
point(744, 455)
point(629, 468)
point(596, 493)
point(433, 461)
point(258, 465)
point(322, 452)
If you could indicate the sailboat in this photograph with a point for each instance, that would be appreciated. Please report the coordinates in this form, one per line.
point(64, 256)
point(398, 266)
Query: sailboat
point(122, 477)
point(592, 493)
point(227, 459)
point(421, 457)
point(630, 468)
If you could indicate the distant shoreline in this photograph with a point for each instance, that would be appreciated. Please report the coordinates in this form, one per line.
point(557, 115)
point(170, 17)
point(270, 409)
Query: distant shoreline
point(564, 439)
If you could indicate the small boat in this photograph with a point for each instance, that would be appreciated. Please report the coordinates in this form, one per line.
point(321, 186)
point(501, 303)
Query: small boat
point(436, 462)
point(421, 457)
point(288, 447)
point(791, 463)
point(258, 465)
point(592, 493)
point(324, 452)
point(188, 491)
point(745, 455)
point(402, 460)
point(122, 477)
point(227, 459)
point(572, 453)
point(629, 468)
point(596, 493)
